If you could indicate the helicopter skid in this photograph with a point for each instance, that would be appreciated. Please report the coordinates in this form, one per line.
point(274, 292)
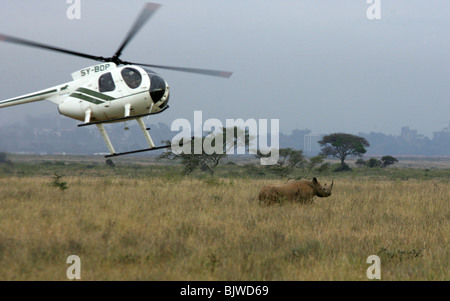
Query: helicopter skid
point(144, 129)
point(138, 151)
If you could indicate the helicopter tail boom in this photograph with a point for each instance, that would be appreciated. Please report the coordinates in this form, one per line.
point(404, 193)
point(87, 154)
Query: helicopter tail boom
point(36, 96)
point(40, 95)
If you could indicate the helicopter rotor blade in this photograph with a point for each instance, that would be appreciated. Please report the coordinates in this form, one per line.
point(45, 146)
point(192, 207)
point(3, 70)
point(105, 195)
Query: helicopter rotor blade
point(148, 10)
point(218, 73)
point(19, 41)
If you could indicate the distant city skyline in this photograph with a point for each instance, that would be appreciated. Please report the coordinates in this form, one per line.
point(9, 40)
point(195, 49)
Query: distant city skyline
point(396, 132)
point(61, 135)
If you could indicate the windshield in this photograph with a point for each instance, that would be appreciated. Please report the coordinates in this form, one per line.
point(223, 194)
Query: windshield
point(157, 86)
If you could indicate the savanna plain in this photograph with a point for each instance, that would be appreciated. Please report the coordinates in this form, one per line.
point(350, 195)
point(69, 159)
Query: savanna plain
point(146, 221)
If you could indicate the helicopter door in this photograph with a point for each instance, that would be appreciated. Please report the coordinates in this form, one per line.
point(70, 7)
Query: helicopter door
point(106, 83)
point(131, 77)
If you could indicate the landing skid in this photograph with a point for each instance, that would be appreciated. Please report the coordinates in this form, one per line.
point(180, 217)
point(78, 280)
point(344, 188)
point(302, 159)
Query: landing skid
point(139, 120)
point(138, 151)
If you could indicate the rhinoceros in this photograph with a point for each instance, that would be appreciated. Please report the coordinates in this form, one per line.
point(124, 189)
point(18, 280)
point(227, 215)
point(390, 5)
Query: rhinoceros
point(299, 191)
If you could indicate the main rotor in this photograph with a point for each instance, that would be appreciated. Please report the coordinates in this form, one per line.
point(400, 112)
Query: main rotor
point(146, 13)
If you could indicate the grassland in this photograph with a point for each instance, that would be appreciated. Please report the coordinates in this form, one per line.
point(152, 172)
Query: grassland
point(147, 222)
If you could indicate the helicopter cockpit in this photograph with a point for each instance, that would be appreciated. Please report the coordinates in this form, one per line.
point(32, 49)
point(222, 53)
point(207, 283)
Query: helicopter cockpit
point(133, 79)
point(158, 87)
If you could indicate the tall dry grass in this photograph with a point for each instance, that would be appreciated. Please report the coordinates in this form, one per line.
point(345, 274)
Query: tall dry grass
point(193, 229)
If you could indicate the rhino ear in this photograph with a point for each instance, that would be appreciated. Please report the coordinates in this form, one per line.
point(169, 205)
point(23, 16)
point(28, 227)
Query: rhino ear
point(314, 180)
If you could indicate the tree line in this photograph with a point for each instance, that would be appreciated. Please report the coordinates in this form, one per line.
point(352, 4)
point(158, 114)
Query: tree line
point(336, 145)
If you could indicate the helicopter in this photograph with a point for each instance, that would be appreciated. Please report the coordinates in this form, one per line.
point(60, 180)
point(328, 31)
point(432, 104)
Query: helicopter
point(112, 91)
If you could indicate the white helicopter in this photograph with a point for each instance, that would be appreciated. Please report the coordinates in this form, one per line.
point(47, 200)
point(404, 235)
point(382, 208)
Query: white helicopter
point(108, 92)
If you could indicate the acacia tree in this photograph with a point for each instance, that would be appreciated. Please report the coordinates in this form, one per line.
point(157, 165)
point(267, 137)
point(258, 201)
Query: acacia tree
point(209, 161)
point(388, 160)
point(192, 161)
point(341, 146)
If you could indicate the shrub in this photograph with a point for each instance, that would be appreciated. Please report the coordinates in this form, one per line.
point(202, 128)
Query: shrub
point(372, 162)
point(360, 162)
point(388, 160)
point(56, 182)
point(343, 167)
point(324, 167)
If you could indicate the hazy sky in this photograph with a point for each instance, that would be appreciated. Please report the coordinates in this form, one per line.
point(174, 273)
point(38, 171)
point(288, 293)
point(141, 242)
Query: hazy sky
point(317, 64)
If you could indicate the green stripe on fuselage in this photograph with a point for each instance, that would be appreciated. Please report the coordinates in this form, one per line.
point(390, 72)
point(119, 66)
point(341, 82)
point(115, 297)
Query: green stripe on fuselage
point(86, 98)
point(95, 94)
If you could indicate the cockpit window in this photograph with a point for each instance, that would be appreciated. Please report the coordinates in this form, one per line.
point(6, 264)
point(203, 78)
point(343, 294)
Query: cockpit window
point(157, 87)
point(106, 83)
point(132, 77)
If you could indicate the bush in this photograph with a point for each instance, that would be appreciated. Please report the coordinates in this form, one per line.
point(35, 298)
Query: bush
point(360, 162)
point(343, 167)
point(324, 167)
point(388, 160)
point(110, 163)
point(56, 182)
point(373, 163)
